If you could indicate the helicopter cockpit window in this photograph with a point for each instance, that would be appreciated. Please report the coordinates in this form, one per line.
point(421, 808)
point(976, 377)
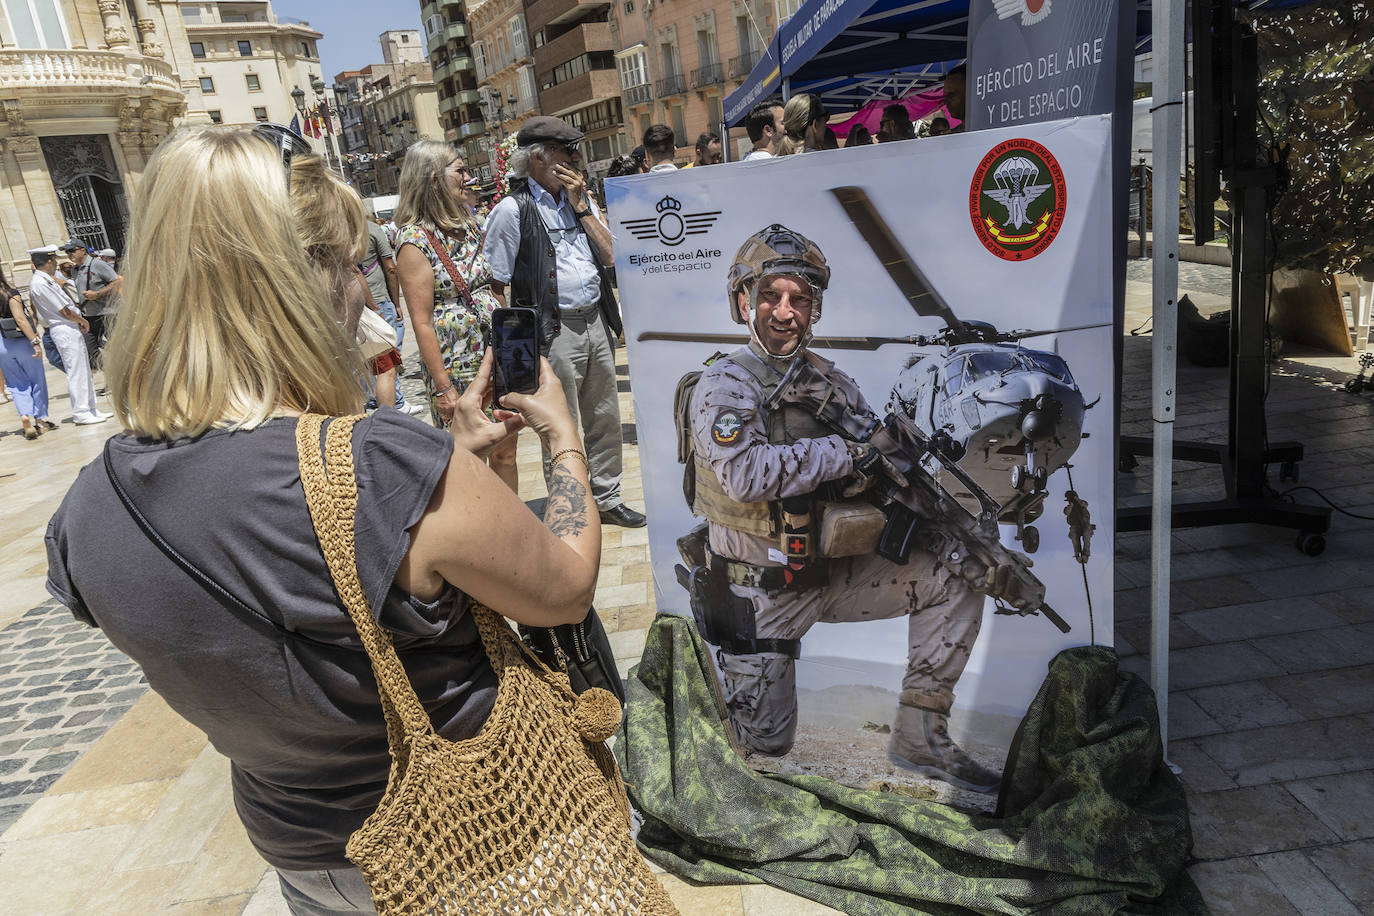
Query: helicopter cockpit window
point(954, 377)
point(1051, 364)
point(992, 362)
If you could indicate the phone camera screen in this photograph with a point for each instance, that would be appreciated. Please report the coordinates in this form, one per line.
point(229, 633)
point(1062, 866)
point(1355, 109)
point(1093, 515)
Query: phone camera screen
point(517, 362)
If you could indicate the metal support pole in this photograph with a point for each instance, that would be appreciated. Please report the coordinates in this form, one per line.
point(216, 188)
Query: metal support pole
point(1167, 127)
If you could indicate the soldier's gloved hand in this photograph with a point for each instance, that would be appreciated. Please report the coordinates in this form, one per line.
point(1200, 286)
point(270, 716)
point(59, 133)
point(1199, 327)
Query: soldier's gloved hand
point(869, 466)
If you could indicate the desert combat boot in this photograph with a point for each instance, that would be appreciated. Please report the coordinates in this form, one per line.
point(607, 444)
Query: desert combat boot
point(920, 742)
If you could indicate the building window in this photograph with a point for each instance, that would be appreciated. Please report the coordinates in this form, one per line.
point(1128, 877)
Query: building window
point(518, 43)
point(479, 59)
point(37, 23)
point(634, 68)
point(305, 49)
point(207, 85)
point(245, 49)
point(680, 125)
point(786, 8)
point(198, 50)
point(215, 117)
point(629, 6)
point(260, 114)
point(405, 39)
point(254, 85)
point(713, 117)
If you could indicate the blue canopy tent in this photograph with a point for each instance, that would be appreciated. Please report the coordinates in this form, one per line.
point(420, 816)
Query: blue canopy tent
point(851, 52)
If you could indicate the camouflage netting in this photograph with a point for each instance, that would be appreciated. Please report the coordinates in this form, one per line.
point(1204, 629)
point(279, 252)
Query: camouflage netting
point(1317, 99)
point(1093, 822)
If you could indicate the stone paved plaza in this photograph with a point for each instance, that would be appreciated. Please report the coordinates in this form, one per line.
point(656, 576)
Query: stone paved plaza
point(110, 804)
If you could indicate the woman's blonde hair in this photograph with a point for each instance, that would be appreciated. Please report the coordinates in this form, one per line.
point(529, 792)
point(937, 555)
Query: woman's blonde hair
point(222, 322)
point(333, 228)
point(798, 115)
point(425, 197)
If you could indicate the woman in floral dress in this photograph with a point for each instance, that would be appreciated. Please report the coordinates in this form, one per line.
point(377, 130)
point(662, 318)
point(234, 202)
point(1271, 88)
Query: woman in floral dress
point(445, 281)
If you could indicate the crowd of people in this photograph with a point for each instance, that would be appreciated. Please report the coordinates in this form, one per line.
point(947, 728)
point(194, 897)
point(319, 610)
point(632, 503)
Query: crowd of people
point(211, 358)
point(73, 300)
point(801, 125)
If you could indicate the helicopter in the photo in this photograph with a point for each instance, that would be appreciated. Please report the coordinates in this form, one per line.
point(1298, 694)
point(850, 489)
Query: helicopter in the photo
point(1007, 414)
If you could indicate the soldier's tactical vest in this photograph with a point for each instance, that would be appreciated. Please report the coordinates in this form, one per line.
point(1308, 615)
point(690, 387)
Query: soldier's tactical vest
point(701, 486)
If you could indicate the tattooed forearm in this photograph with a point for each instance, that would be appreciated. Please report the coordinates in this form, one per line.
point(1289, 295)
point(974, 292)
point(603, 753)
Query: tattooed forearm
point(565, 512)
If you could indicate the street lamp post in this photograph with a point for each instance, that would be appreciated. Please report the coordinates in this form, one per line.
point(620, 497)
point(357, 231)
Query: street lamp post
point(340, 106)
point(322, 103)
point(298, 97)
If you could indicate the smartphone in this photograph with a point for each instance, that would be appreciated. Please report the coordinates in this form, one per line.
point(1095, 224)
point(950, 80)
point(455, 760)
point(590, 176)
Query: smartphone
point(514, 339)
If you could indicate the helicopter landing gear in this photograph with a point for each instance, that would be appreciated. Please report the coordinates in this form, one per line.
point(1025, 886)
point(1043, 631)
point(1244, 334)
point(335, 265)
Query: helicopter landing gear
point(1029, 477)
point(1021, 511)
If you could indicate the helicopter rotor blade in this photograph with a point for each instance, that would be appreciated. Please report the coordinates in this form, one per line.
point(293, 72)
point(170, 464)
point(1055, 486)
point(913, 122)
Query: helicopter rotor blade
point(899, 266)
point(828, 343)
point(1020, 335)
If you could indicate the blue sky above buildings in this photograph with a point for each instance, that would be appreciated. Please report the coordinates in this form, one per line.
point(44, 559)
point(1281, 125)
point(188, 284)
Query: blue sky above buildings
point(350, 28)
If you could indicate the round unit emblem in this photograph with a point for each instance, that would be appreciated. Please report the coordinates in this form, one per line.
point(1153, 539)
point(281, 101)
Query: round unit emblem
point(727, 428)
point(1017, 199)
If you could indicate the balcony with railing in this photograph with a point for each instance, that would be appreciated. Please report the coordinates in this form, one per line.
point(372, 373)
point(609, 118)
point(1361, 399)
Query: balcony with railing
point(639, 95)
point(449, 31)
point(708, 75)
point(740, 66)
point(80, 69)
point(673, 84)
point(473, 129)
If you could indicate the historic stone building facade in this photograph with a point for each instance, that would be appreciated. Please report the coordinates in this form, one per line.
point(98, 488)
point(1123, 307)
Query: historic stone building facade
point(247, 61)
point(448, 43)
point(677, 61)
point(506, 84)
point(89, 91)
point(575, 64)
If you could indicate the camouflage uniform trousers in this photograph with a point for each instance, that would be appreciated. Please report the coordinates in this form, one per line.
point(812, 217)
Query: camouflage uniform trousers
point(944, 620)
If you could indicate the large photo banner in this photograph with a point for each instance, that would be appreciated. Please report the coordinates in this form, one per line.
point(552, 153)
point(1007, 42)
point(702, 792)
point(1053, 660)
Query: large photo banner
point(873, 390)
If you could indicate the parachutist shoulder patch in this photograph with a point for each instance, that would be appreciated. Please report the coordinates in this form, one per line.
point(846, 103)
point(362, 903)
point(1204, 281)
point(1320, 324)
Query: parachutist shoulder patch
point(726, 429)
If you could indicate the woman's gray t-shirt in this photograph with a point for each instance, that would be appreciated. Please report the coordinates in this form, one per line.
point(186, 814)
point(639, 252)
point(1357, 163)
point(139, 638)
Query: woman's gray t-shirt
point(298, 714)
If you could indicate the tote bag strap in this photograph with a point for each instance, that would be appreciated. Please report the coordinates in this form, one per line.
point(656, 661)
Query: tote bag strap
point(441, 250)
point(332, 497)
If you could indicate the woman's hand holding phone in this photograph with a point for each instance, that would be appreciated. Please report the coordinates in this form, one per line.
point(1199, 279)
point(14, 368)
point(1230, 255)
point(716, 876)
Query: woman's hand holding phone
point(470, 426)
point(546, 410)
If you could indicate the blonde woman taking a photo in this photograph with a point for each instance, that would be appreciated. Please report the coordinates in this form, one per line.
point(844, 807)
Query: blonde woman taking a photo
point(224, 339)
point(446, 281)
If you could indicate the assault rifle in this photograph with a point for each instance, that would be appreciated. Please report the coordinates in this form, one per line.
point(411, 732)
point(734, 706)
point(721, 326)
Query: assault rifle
point(919, 511)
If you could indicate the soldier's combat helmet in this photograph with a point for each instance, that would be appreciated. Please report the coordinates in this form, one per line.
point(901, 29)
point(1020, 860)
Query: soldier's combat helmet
point(772, 251)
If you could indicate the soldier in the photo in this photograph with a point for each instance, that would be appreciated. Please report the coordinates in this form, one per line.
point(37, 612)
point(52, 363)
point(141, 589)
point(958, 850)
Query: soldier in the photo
point(783, 497)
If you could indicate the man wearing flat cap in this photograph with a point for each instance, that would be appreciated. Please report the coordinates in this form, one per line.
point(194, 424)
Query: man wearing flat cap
point(547, 242)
